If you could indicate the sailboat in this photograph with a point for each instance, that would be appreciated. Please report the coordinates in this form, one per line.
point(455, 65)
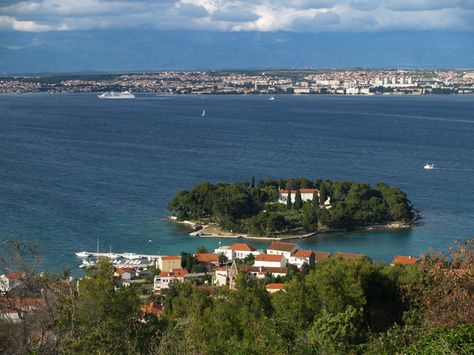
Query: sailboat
point(203, 113)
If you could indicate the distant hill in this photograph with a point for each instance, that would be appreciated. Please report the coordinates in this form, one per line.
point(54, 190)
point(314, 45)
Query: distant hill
point(121, 50)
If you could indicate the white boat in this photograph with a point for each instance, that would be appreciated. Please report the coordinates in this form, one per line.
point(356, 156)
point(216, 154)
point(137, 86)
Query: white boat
point(82, 254)
point(131, 256)
point(272, 98)
point(429, 166)
point(116, 95)
point(203, 113)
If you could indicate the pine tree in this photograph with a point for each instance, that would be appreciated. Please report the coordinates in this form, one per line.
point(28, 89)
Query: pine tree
point(316, 199)
point(288, 200)
point(253, 182)
point(298, 200)
point(323, 193)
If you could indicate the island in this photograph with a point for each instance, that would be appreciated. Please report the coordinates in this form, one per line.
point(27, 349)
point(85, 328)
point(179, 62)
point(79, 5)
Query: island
point(290, 208)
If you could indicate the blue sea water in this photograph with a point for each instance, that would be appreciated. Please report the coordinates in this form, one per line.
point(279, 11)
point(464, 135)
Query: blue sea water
point(74, 168)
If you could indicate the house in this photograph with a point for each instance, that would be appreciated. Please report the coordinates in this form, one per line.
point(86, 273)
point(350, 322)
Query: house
point(11, 280)
point(270, 260)
point(282, 248)
point(226, 276)
point(306, 195)
point(152, 308)
point(168, 263)
point(238, 251)
point(301, 257)
point(403, 260)
point(208, 260)
point(11, 309)
point(166, 277)
point(163, 280)
point(272, 288)
point(125, 274)
point(320, 256)
point(259, 272)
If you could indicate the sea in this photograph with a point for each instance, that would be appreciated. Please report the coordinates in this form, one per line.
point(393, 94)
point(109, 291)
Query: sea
point(75, 170)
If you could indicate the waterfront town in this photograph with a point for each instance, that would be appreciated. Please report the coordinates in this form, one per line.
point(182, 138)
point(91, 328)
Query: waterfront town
point(272, 82)
point(155, 274)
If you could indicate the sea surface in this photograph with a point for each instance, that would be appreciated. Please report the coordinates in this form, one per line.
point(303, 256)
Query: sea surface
point(75, 169)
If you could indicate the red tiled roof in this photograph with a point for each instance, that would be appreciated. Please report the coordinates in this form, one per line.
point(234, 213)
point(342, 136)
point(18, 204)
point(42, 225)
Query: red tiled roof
point(403, 260)
point(241, 247)
point(171, 257)
point(152, 308)
point(15, 275)
point(303, 191)
point(282, 246)
point(17, 301)
point(303, 253)
point(264, 269)
point(269, 257)
point(207, 257)
point(321, 255)
point(174, 273)
point(275, 286)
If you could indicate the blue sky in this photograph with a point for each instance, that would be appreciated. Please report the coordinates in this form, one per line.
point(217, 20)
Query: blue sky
point(30, 24)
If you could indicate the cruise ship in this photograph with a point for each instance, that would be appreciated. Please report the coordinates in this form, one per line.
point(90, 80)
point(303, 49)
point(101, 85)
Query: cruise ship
point(116, 95)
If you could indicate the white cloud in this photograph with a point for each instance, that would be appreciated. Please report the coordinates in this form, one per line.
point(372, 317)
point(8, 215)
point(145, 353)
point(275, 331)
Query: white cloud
point(238, 15)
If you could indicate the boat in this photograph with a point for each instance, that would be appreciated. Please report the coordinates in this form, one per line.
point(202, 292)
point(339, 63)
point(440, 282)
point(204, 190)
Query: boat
point(203, 113)
point(429, 166)
point(130, 256)
point(116, 95)
point(272, 98)
point(82, 254)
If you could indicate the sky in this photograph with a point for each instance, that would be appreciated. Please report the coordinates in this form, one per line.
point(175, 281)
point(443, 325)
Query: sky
point(31, 27)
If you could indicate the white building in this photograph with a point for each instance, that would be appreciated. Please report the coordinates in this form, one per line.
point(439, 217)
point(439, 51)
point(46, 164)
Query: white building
point(238, 251)
point(270, 260)
point(282, 248)
point(10, 281)
point(302, 256)
point(306, 195)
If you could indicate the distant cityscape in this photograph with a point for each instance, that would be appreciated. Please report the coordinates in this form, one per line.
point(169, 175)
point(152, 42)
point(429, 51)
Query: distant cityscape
point(298, 82)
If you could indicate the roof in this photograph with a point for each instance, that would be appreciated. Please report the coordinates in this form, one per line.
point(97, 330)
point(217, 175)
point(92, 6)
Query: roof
point(321, 255)
point(350, 256)
point(207, 257)
point(282, 246)
point(275, 286)
point(264, 270)
point(152, 308)
point(17, 302)
point(403, 260)
point(174, 273)
point(121, 271)
point(303, 191)
point(303, 253)
point(241, 247)
point(177, 257)
point(269, 257)
point(15, 275)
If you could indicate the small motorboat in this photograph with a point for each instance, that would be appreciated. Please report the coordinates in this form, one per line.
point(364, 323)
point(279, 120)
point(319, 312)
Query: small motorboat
point(82, 254)
point(429, 166)
point(272, 98)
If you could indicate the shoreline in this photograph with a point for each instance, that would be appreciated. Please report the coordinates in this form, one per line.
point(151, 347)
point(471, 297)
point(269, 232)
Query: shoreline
point(201, 233)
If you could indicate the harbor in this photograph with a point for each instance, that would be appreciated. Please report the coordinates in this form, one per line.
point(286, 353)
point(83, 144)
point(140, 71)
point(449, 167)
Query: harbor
point(119, 260)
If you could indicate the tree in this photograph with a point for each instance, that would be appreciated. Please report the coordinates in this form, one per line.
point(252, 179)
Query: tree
point(310, 217)
point(288, 200)
point(201, 250)
point(298, 201)
point(316, 202)
point(323, 194)
point(252, 185)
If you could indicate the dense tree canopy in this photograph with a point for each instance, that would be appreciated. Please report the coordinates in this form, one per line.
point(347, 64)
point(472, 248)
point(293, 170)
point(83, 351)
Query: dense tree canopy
point(242, 208)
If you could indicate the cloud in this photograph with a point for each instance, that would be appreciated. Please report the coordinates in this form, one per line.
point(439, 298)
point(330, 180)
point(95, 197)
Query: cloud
point(237, 15)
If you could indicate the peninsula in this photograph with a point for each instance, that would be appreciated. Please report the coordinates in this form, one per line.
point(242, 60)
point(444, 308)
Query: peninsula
point(290, 208)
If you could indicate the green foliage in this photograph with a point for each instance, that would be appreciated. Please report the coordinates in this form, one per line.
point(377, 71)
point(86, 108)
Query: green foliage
point(201, 250)
point(444, 340)
point(338, 333)
point(241, 208)
point(298, 200)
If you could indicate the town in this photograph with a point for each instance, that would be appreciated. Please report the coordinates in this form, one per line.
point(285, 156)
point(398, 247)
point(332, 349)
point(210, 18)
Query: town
point(271, 82)
point(155, 274)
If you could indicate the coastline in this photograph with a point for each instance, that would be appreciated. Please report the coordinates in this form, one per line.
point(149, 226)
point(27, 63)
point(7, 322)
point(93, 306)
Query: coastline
point(199, 230)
